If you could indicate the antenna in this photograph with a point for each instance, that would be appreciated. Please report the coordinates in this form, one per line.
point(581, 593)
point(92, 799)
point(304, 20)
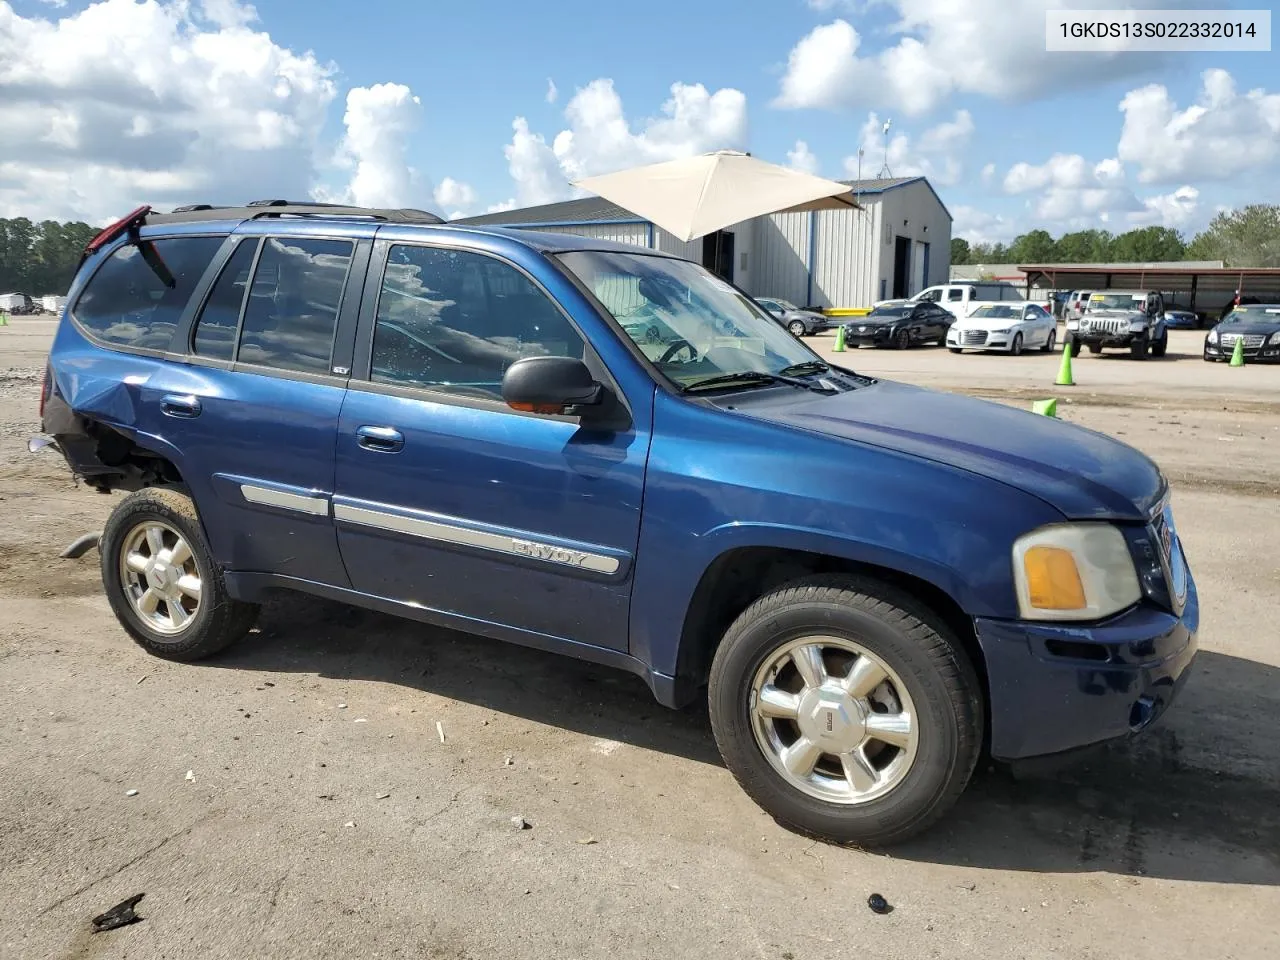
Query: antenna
point(885, 172)
point(861, 151)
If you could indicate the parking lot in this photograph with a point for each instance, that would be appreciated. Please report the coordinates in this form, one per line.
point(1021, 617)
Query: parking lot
point(344, 783)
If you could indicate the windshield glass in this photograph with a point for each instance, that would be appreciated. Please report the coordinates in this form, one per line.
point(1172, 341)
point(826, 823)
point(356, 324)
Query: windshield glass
point(1116, 301)
point(890, 311)
point(689, 323)
point(999, 312)
point(784, 304)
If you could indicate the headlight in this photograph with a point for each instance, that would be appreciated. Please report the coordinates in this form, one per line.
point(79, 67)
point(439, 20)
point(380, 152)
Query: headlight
point(1001, 330)
point(1081, 571)
point(1213, 336)
point(1275, 338)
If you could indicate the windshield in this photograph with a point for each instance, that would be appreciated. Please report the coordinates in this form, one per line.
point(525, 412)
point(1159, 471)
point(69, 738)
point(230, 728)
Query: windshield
point(689, 323)
point(1116, 301)
point(1003, 313)
point(891, 311)
point(784, 304)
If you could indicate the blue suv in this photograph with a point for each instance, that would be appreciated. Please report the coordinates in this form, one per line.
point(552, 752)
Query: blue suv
point(610, 453)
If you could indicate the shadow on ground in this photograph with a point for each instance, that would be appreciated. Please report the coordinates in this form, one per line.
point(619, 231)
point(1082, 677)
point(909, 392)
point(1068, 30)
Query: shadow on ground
point(1162, 805)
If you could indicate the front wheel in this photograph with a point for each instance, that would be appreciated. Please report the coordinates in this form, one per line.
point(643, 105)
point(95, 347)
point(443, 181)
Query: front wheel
point(1075, 348)
point(845, 709)
point(1138, 348)
point(902, 340)
point(954, 349)
point(162, 582)
point(1016, 347)
point(797, 328)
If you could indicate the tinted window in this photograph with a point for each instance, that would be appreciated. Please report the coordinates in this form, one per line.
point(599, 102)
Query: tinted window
point(889, 312)
point(930, 296)
point(453, 320)
point(215, 334)
point(293, 304)
point(955, 294)
point(137, 296)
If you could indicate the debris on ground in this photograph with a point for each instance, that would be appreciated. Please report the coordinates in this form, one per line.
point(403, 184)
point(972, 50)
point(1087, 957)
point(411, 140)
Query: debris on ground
point(878, 904)
point(381, 796)
point(190, 777)
point(131, 793)
point(121, 915)
point(587, 841)
point(440, 730)
point(520, 823)
point(143, 677)
point(349, 823)
point(360, 720)
point(508, 761)
point(342, 706)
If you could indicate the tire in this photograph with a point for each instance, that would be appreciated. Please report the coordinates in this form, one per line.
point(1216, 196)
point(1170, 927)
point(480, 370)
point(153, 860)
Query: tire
point(942, 694)
point(216, 620)
point(1138, 348)
point(797, 328)
point(1075, 348)
point(902, 340)
point(954, 349)
point(1160, 347)
point(1095, 349)
point(1050, 342)
point(1015, 349)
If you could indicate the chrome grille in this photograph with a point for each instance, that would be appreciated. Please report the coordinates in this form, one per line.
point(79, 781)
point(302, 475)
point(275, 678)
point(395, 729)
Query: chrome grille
point(1100, 325)
point(973, 338)
point(1251, 341)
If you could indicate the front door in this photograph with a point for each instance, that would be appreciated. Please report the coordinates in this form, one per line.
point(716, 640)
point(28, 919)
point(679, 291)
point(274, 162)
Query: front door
point(446, 498)
point(901, 267)
point(717, 254)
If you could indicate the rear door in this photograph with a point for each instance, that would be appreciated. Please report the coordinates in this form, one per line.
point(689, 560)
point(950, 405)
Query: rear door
point(255, 408)
point(519, 524)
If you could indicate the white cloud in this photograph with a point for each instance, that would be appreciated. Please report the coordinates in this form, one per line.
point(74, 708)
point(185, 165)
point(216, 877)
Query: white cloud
point(379, 122)
point(600, 139)
point(982, 226)
point(801, 158)
point(988, 173)
point(455, 197)
point(553, 93)
point(122, 103)
point(993, 48)
point(936, 154)
point(1223, 134)
point(1179, 209)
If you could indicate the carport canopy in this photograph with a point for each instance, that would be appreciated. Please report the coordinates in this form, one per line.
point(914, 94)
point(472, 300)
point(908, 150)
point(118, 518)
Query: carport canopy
point(1200, 288)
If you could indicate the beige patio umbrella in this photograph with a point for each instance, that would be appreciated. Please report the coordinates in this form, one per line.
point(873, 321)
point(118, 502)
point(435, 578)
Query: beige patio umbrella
point(699, 195)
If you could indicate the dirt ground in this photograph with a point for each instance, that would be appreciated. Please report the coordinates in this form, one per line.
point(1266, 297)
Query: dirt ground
point(324, 818)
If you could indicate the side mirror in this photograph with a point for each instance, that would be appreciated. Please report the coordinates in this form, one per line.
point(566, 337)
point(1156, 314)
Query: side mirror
point(553, 385)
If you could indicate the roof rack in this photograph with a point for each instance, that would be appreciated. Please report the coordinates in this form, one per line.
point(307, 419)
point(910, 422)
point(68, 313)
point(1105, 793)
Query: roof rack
point(260, 209)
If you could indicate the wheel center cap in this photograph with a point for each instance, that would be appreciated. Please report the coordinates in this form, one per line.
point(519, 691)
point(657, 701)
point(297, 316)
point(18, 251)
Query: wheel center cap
point(832, 718)
point(161, 576)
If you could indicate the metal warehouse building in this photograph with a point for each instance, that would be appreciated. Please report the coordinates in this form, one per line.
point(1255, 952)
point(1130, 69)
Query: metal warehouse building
point(895, 245)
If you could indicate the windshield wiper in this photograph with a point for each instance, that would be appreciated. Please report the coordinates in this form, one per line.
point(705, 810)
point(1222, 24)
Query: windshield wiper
point(753, 377)
point(808, 366)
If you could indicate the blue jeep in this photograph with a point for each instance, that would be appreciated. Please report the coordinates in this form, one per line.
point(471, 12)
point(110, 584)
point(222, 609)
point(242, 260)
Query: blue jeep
point(607, 452)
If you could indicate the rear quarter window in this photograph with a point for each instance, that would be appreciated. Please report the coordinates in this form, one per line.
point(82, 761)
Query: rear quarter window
point(135, 300)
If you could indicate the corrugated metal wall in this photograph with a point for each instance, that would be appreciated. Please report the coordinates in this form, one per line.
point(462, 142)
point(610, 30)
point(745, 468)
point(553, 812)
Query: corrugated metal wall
point(670, 243)
point(846, 269)
point(780, 259)
point(633, 233)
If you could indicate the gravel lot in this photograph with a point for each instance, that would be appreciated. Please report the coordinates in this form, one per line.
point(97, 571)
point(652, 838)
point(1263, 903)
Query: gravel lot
point(325, 818)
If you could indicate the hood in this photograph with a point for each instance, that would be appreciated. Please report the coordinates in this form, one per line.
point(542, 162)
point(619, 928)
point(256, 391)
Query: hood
point(875, 321)
point(1084, 474)
point(1113, 312)
point(1252, 324)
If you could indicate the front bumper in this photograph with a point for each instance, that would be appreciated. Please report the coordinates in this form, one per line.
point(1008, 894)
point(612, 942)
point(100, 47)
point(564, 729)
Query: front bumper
point(1267, 353)
point(871, 337)
point(1060, 687)
point(992, 340)
point(1106, 339)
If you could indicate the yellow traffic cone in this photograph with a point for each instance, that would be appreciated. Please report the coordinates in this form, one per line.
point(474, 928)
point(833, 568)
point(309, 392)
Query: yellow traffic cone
point(839, 347)
point(1064, 371)
point(1047, 408)
point(1237, 355)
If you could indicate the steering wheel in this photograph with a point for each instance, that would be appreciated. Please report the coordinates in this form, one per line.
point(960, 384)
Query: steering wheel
point(676, 347)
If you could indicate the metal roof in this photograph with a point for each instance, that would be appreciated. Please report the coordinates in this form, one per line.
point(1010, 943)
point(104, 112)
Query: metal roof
point(1169, 277)
point(600, 210)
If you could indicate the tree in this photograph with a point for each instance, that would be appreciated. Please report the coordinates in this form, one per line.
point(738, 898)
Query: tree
point(959, 250)
point(1034, 247)
point(42, 259)
point(1248, 237)
point(1147, 245)
point(1084, 246)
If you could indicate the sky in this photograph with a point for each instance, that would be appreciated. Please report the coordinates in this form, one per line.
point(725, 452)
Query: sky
point(467, 107)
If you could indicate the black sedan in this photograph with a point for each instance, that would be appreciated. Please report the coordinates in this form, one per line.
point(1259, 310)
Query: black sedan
point(800, 322)
point(900, 324)
point(1258, 325)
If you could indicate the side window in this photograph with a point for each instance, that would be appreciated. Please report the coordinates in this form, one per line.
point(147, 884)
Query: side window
point(137, 296)
point(930, 296)
point(453, 320)
point(955, 294)
point(973, 292)
point(215, 333)
point(292, 310)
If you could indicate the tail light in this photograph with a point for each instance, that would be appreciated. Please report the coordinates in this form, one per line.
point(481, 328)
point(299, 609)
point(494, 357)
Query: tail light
point(130, 222)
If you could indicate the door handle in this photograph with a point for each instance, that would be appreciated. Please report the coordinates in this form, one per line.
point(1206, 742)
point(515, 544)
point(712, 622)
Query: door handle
point(178, 405)
point(380, 439)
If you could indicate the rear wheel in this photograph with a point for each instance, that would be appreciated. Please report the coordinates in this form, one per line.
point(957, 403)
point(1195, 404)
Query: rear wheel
point(797, 328)
point(1051, 342)
point(846, 710)
point(1160, 347)
point(162, 582)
